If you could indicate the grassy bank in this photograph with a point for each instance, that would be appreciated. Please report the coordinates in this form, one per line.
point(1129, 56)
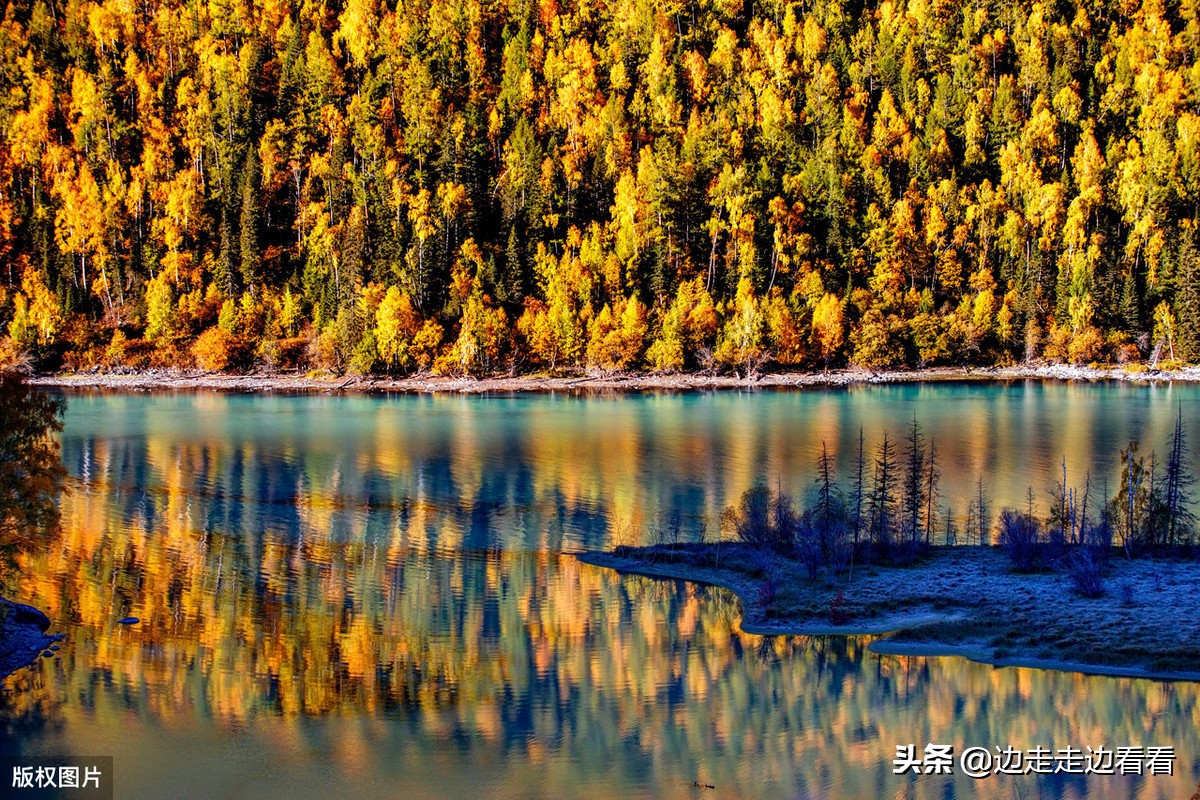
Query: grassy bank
point(957, 601)
point(581, 381)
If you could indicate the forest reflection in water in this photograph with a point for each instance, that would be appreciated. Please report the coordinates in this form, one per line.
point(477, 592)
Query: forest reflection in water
point(320, 616)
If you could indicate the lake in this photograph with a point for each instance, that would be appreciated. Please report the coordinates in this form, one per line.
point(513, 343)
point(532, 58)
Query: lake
point(373, 596)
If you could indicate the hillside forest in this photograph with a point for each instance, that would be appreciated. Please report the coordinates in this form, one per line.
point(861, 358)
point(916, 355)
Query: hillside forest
point(484, 186)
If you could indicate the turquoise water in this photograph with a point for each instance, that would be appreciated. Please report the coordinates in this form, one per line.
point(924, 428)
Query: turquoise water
point(370, 595)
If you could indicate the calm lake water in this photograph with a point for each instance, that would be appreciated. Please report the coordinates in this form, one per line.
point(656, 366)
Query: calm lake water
point(374, 597)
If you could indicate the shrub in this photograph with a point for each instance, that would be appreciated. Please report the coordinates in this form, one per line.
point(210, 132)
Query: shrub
point(365, 356)
point(212, 349)
point(291, 353)
point(137, 353)
point(1020, 536)
point(1128, 355)
point(823, 538)
point(616, 335)
point(217, 350)
point(839, 614)
point(874, 343)
point(741, 347)
point(323, 353)
point(1085, 567)
point(766, 595)
point(1099, 537)
point(114, 354)
point(808, 545)
point(396, 323)
point(82, 343)
point(899, 554)
point(1085, 346)
point(426, 344)
point(764, 519)
point(483, 336)
point(11, 355)
point(687, 330)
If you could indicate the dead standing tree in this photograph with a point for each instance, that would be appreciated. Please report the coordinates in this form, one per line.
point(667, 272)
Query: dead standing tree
point(1177, 490)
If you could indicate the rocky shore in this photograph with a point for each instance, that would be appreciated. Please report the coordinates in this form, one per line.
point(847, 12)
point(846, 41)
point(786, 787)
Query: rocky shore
point(23, 636)
point(184, 379)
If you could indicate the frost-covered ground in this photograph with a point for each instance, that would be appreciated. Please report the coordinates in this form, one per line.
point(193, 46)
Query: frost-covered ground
point(959, 601)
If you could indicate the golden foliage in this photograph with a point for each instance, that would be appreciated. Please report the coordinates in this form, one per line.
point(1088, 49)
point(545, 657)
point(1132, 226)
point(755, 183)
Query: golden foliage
point(212, 349)
point(275, 188)
point(616, 336)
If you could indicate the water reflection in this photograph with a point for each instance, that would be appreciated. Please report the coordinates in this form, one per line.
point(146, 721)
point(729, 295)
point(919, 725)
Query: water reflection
point(31, 471)
point(559, 472)
point(354, 595)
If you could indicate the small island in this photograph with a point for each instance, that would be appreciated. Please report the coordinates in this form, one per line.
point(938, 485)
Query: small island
point(1106, 582)
point(957, 600)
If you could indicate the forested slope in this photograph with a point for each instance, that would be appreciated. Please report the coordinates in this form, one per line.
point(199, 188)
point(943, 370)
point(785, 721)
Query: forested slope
point(475, 186)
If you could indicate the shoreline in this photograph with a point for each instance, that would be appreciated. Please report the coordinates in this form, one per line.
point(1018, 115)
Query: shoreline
point(944, 626)
point(23, 637)
point(184, 380)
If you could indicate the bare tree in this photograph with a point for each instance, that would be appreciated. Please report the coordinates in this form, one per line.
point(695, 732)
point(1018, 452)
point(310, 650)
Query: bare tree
point(931, 484)
point(859, 486)
point(1060, 509)
point(983, 517)
point(1083, 506)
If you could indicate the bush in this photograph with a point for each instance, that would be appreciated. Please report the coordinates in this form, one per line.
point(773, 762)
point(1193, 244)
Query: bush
point(764, 519)
point(426, 344)
point(137, 353)
point(12, 356)
point(1099, 537)
point(365, 357)
point(1020, 536)
point(323, 353)
point(217, 350)
point(1086, 346)
point(82, 343)
point(839, 614)
point(898, 554)
point(808, 545)
point(1128, 355)
point(616, 335)
point(291, 353)
point(823, 539)
point(1086, 570)
point(212, 349)
point(114, 354)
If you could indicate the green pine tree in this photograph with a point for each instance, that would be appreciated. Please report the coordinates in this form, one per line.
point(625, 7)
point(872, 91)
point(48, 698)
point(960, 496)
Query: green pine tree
point(1187, 301)
point(249, 221)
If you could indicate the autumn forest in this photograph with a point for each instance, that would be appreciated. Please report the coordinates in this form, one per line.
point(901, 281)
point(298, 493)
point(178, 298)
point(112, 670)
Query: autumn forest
point(480, 186)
